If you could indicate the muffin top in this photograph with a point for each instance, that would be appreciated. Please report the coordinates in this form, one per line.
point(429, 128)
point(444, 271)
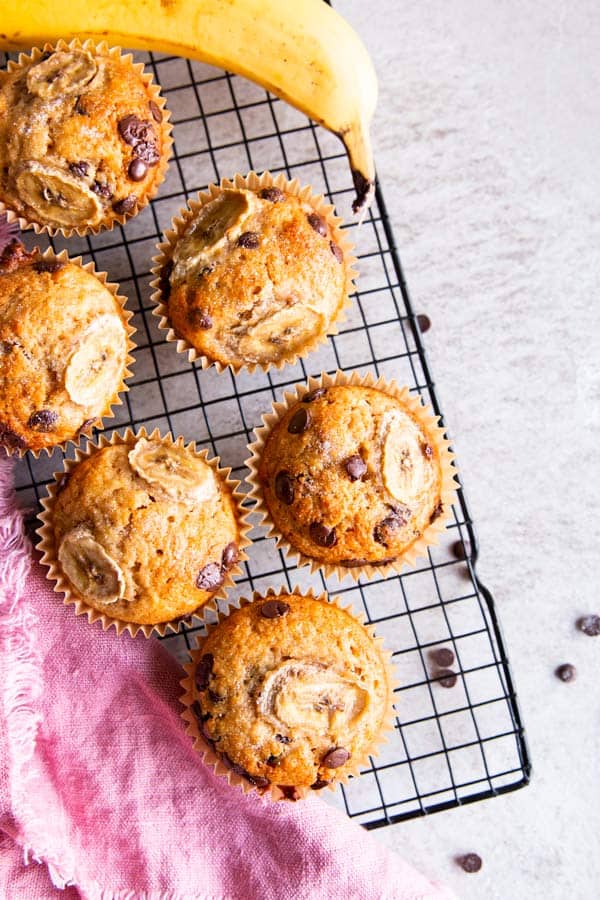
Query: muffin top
point(145, 531)
point(350, 477)
point(254, 278)
point(290, 690)
point(63, 349)
point(80, 139)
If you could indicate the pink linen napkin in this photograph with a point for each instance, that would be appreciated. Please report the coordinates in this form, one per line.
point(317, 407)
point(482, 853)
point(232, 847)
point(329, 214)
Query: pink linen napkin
point(102, 794)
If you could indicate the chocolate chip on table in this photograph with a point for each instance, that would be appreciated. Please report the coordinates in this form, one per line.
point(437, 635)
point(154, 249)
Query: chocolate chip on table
point(250, 240)
point(125, 205)
point(335, 758)
point(314, 395)
point(79, 169)
point(322, 535)
point(446, 677)
point(43, 420)
point(155, 111)
point(356, 467)
point(460, 549)
point(437, 511)
point(10, 440)
point(317, 223)
point(284, 488)
point(336, 251)
point(101, 190)
point(137, 169)
point(283, 739)
point(566, 672)
point(48, 265)
point(204, 671)
point(210, 577)
point(424, 322)
point(230, 555)
point(319, 784)
point(470, 862)
point(299, 422)
point(272, 194)
point(443, 657)
point(199, 318)
point(274, 609)
point(590, 625)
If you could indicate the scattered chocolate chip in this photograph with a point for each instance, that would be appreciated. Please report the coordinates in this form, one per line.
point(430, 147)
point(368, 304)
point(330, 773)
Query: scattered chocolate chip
point(14, 255)
point(590, 625)
point(274, 609)
point(566, 672)
point(137, 170)
point(335, 758)
point(43, 420)
point(230, 555)
point(147, 152)
point(289, 792)
point(204, 671)
point(102, 190)
point(319, 784)
point(210, 577)
point(317, 223)
point(336, 251)
point(10, 440)
point(314, 395)
point(356, 467)
point(398, 517)
point(126, 205)
point(461, 550)
point(249, 240)
point(155, 111)
point(273, 761)
point(199, 318)
point(470, 862)
point(322, 535)
point(424, 322)
point(299, 422)
point(284, 488)
point(48, 265)
point(443, 657)
point(354, 563)
point(446, 677)
point(135, 131)
point(216, 698)
point(283, 739)
point(427, 450)
point(79, 169)
point(437, 511)
point(272, 194)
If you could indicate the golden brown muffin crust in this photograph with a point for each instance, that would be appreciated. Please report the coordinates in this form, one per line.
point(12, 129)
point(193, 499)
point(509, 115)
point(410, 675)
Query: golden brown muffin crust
point(350, 477)
point(291, 690)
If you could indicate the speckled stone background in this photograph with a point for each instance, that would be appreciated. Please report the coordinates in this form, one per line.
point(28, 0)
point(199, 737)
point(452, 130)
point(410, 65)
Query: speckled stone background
point(487, 140)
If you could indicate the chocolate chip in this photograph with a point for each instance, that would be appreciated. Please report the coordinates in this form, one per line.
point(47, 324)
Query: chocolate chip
point(566, 672)
point(289, 792)
point(135, 131)
point(446, 677)
point(273, 761)
point(79, 169)
point(590, 625)
point(48, 265)
point(461, 550)
point(126, 205)
point(398, 517)
point(354, 563)
point(199, 318)
point(230, 555)
point(427, 450)
point(314, 395)
point(336, 251)
point(210, 577)
point(249, 240)
point(356, 467)
point(299, 422)
point(284, 488)
point(319, 784)
point(424, 322)
point(43, 420)
point(147, 151)
point(258, 781)
point(155, 111)
point(272, 194)
point(443, 657)
point(437, 511)
point(274, 609)
point(335, 758)
point(204, 671)
point(216, 698)
point(137, 170)
point(102, 190)
point(283, 739)
point(163, 282)
point(322, 535)
point(470, 862)
point(10, 440)
point(317, 223)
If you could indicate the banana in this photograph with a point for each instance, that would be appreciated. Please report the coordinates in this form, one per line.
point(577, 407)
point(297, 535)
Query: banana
point(89, 568)
point(95, 369)
point(302, 51)
point(282, 329)
point(61, 74)
point(55, 195)
point(407, 470)
point(180, 474)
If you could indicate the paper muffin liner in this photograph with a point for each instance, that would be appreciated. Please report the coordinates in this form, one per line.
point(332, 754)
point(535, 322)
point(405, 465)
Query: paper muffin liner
point(435, 434)
point(165, 126)
point(115, 399)
point(49, 550)
point(214, 761)
point(254, 182)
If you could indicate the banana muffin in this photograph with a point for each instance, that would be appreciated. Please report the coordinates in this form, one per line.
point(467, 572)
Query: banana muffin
point(84, 139)
point(64, 341)
point(291, 692)
point(351, 475)
point(143, 530)
point(252, 276)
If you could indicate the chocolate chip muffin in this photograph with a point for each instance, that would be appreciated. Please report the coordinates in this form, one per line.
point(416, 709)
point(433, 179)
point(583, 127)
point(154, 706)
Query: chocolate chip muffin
point(143, 530)
point(352, 476)
point(64, 342)
point(254, 274)
point(290, 692)
point(84, 139)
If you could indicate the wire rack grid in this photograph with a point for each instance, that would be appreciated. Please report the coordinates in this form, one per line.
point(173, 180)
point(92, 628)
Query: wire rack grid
point(450, 746)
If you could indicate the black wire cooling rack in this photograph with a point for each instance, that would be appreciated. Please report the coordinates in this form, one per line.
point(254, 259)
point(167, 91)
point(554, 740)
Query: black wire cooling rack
point(450, 746)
